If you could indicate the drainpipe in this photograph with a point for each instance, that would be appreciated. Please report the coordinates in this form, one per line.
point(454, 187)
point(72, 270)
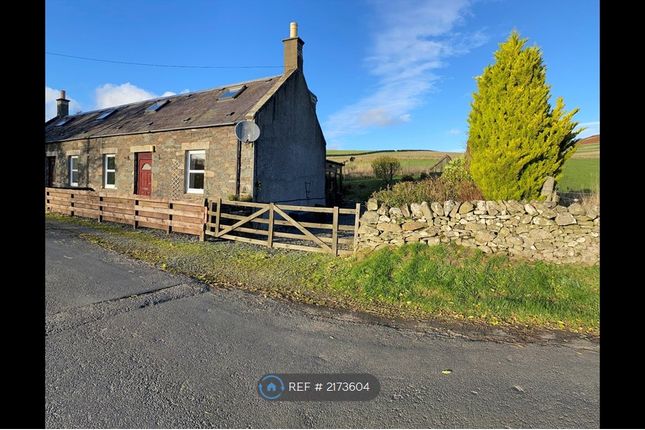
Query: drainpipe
point(87, 162)
point(238, 168)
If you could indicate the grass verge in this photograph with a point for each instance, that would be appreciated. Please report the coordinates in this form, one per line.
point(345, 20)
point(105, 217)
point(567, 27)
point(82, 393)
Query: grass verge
point(414, 281)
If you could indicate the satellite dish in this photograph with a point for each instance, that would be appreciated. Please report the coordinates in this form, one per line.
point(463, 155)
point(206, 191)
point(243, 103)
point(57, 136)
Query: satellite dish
point(247, 131)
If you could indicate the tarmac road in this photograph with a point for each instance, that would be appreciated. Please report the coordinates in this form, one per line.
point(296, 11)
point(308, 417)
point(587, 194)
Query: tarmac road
point(128, 345)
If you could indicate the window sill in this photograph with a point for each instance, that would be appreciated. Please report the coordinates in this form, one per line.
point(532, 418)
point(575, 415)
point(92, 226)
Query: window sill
point(195, 192)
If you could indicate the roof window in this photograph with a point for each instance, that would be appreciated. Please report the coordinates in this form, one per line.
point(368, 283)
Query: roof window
point(156, 105)
point(106, 113)
point(63, 121)
point(231, 92)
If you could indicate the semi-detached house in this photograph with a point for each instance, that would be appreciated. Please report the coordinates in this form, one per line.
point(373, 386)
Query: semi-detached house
point(184, 147)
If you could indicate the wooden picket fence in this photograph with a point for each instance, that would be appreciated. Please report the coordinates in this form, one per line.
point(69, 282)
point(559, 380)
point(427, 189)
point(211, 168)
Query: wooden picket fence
point(168, 215)
point(268, 224)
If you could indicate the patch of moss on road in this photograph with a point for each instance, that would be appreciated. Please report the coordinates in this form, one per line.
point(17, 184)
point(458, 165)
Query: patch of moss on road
point(415, 281)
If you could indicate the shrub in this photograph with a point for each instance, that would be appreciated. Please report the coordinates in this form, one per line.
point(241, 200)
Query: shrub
point(515, 138)
point(429, 190)
point(423, 175)
point(467, 190)
point(407, 178)
point(455, 172)
point(385, 168)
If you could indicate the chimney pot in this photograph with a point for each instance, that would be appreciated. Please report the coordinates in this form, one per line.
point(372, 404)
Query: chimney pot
point(293, 49)
point(62, 105)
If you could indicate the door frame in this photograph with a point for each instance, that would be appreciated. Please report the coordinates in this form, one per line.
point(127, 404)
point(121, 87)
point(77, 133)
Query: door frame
point(51, 169)
point(137, 156)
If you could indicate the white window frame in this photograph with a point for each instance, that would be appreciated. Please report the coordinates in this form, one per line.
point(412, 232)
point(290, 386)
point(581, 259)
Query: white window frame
point(189, 171)
point(106, 171)
point(71, 171)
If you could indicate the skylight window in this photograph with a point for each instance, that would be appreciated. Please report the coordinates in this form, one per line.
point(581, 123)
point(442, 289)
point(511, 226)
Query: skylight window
point(231, 92)
point(106, 113)
point(63, 121)
point(156, 106)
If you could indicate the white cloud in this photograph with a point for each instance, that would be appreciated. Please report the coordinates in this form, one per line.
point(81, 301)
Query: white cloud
point(454, 132)
point(415, 37)
point(106, 95)
point(51, 95)
point(109, 95)
point(592, 128)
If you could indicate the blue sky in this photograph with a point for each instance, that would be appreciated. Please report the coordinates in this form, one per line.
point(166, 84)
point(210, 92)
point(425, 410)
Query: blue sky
point(388, 74)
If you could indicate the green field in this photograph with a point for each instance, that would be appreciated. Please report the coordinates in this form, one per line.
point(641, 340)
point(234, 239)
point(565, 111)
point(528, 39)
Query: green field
point(335, 152)
point(580, 174)
point(358, 190)
point(348, 152)
point(412, 162)
point(587, 151)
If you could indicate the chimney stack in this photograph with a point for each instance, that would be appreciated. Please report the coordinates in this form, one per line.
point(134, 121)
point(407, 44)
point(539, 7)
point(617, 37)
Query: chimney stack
point(62, 105)
point(293, 49)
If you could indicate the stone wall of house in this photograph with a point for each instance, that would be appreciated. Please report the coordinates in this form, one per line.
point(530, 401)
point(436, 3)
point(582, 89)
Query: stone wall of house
point(534, 230)
point(168, 162)
point(291, 148)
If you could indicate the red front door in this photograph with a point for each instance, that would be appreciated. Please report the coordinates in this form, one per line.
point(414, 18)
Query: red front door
point(144, 173)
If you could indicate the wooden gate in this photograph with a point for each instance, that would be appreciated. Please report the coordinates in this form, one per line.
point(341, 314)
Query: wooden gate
point(269, 224)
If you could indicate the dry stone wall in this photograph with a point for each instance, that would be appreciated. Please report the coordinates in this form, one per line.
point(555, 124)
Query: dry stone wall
point(534, 230)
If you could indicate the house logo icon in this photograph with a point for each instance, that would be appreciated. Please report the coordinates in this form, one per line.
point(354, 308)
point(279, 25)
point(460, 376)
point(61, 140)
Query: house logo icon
point(271, 387)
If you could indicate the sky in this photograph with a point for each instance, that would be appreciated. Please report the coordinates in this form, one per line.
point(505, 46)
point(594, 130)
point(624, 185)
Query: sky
point(388, 74)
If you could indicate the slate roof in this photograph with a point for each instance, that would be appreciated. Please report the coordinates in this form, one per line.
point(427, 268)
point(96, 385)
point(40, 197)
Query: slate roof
point(197, 109)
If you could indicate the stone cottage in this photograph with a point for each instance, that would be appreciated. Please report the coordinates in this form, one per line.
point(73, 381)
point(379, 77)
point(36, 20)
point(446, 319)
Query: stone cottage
point(184, 147)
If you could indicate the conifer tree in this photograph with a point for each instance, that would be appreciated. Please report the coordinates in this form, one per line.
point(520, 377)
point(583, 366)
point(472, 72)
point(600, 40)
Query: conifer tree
point(515, 138)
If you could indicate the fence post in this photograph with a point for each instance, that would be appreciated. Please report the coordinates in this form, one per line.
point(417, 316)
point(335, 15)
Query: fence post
point(217, 216)
point(168, 227)
point(356, 225)
point(71, 204)
point(334, 232)
point(100, 208)
point(136, 214)
point(271, 218)
point(202, 235)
